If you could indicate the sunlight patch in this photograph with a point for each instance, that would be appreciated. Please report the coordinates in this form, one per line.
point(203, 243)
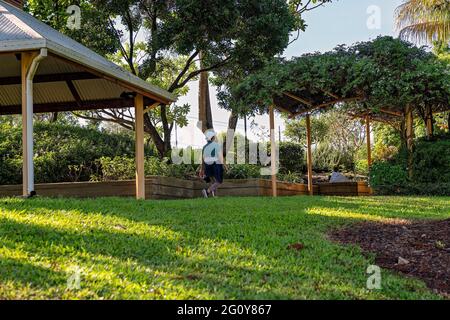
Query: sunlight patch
point(329, 212)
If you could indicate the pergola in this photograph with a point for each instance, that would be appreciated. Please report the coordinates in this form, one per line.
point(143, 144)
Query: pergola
point(303, 102)
point(41, 71)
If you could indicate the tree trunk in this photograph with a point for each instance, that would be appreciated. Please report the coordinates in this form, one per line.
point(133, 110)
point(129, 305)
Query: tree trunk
point(153, 132)
point(232, 125)
point(54, 117)
point(204, 101)
point(409, 130)
point(429, 124)
point(448, 122)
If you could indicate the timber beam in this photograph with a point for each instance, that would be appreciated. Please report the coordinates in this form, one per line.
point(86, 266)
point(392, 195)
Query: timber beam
point(323, 105)
point(60, 77)
point(75, 106)
point(292, 96)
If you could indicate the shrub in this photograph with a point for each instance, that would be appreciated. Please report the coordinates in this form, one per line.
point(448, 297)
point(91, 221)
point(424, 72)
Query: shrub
point(326, 157)
point(124, 168)
point(117, 168)
point(183, 171)
point(243, 171)
point(10, 170)
point(362, 167)
point(431, 170)
point(432, 161)
point(292, 157)
point(418, 189)
point(291, 177)
point(384, 173)
point(62, 152)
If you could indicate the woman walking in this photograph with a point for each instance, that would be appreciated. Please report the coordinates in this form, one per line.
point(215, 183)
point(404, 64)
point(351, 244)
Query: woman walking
point(212, 164)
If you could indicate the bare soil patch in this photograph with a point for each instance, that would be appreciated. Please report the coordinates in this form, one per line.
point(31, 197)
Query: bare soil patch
point(416, 248)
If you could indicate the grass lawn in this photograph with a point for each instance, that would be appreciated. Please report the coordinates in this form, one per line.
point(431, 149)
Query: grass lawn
point(230, 248)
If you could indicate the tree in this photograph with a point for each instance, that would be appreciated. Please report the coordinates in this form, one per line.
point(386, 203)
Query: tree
point(427, 20)
point(386, 78)
point(95, 34)
point(224, 31)
point(232, 75)
point(204, 101)
point(296, 130)
point(337, 138)
point(231, 35)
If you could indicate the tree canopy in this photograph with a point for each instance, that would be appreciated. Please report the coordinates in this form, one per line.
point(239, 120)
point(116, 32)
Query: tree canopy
point(427, 20)
point(379, 76)
point(233, 37)
point(96, 33)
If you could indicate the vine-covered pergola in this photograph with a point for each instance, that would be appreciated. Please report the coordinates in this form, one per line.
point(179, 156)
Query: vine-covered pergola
point(385, 80)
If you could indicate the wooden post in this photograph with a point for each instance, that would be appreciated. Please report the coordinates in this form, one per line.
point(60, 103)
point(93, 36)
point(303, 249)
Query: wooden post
point(429, 121)
point(309, 155)
point(369, 147)
point(409, 122)
point(25, 65)
point(273, 162)
point(27, 126)
point(140, 158)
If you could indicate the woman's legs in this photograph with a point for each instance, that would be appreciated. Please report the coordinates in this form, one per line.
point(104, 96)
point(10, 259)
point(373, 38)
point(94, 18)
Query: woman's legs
point(215, 174)
point(218, 178)
point(213, 188)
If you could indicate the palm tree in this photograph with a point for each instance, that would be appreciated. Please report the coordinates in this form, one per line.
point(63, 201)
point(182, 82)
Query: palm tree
point(424, 20)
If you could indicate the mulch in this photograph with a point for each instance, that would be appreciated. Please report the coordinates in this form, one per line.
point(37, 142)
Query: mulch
point(419, 249)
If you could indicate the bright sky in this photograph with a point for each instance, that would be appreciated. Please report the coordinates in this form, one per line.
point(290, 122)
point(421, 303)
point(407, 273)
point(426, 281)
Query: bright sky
point(342, 22)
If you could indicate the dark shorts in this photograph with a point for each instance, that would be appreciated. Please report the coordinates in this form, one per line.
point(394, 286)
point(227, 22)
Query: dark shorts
point(214, 171)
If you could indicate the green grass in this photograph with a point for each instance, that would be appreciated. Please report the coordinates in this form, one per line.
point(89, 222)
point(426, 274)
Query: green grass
point(230, 248)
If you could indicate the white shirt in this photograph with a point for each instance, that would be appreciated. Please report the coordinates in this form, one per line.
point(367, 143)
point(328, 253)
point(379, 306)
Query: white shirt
point(211, 153)
point(337, 177)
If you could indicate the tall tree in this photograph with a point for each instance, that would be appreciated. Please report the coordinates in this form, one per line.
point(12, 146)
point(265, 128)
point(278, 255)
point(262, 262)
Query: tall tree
point(204, 100)
point(227, 78)
point(227, 32)
point(424, 20)
point(94, 34)
point(232, 35)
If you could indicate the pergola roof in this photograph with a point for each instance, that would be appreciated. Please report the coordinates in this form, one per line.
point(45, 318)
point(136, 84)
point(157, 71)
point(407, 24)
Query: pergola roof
point(72, 77)
point(302, 102)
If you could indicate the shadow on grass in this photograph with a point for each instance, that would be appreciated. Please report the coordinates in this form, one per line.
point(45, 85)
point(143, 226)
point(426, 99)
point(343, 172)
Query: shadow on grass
point(20, 271)
point(225, 249)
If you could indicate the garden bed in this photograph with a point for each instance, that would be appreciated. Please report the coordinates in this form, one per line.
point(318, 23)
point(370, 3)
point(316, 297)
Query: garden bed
point(174, 188)
point(420, 249)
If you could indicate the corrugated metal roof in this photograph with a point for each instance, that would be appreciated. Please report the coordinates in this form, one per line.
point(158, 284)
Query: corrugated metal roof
point(9, 30)
point(97, 90)
point(9, 95)
point(23, 32)
point(54, 92)
point(10, 67)
point(55, 66)
point(51, 92)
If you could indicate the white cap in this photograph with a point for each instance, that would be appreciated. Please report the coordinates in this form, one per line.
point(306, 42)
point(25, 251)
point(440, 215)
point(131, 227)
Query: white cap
point(210, 134)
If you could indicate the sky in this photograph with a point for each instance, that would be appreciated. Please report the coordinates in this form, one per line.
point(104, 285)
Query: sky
point(342, 22)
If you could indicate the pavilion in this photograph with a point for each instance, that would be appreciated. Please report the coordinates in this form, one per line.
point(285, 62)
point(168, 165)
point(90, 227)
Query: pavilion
point(42, 70)
point(302, 102)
